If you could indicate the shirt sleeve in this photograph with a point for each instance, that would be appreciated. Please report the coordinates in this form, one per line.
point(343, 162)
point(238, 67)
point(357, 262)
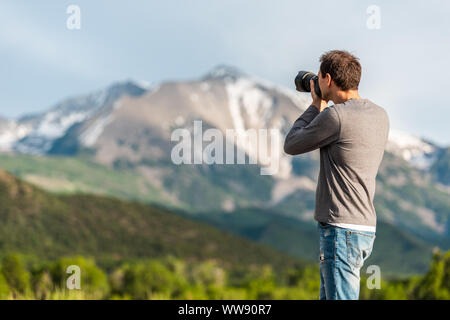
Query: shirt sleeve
point(313, 130)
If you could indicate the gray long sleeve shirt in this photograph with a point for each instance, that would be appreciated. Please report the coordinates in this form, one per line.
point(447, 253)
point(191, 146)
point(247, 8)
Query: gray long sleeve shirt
point(352, 137)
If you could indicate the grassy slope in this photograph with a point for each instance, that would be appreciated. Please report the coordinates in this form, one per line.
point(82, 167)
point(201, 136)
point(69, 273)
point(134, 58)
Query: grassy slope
point(195, 187)
point(72, 174)
point(395, 251)
point(48, 226)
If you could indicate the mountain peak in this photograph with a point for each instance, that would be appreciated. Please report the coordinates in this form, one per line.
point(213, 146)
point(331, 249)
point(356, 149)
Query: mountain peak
point(223, 71)
point(131, 87)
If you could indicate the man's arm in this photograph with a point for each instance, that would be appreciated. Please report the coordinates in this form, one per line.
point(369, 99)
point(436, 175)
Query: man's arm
point(313, 130)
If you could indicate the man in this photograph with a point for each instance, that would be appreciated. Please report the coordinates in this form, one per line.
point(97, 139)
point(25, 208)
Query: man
point(351, 135)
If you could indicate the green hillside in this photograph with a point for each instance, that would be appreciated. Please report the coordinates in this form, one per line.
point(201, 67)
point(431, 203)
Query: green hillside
point(79, 174)
point(395, 251)
point(49, 226)
point(62, 174)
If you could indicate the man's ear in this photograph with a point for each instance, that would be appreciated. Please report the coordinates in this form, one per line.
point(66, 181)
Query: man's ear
point(328, 76)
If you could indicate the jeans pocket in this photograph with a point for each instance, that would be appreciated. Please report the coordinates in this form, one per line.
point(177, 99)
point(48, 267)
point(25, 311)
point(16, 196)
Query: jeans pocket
point(359, 247)
point(327, 243)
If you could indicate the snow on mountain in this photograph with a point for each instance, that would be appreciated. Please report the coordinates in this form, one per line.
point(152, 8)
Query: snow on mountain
point(224, 72)
point(10, 132)
point(91, 134)
point(35, 134)
point(415, 150)
point(232, 74)
point(254, 104)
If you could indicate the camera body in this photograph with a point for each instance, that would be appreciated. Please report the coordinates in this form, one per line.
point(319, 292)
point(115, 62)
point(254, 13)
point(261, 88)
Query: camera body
point(302, 82)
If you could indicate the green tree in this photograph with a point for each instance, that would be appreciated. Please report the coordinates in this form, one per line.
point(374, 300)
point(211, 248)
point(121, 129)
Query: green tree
point(15, 273)
point(93, 281)
point(4, 288)
point(436, 283)
point(142, 280)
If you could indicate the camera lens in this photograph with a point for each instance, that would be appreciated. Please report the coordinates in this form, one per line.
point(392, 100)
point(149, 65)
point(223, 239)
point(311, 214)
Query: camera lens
point(302, 83)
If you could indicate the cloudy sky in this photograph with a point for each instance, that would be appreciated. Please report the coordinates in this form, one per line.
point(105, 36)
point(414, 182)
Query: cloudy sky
point(405, 62)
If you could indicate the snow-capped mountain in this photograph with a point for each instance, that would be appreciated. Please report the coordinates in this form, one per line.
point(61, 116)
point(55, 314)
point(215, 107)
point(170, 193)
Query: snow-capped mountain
point(226, 97)
point(11, 132)
point(35, 134)
point(419, 152)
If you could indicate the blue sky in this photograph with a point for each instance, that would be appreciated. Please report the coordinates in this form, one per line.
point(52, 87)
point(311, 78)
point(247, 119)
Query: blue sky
point(405, 63)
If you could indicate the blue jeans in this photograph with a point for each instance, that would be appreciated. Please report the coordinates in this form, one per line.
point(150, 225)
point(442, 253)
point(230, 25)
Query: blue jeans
point(342, 254)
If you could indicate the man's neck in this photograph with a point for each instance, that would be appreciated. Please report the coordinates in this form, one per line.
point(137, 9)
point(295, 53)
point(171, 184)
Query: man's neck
point(342, 96)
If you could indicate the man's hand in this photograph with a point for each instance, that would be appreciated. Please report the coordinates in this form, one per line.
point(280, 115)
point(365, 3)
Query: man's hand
point(319, 103)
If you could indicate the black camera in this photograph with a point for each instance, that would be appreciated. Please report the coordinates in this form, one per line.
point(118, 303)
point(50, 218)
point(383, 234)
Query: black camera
point(302, 82)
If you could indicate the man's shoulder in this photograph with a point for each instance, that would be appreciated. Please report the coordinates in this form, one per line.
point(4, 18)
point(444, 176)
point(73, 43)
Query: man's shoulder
point(358, 104)
point(378, 109)
point(355, 103)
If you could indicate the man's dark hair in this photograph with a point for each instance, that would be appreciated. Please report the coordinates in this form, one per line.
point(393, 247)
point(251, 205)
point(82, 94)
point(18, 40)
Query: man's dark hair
point(343, 67)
